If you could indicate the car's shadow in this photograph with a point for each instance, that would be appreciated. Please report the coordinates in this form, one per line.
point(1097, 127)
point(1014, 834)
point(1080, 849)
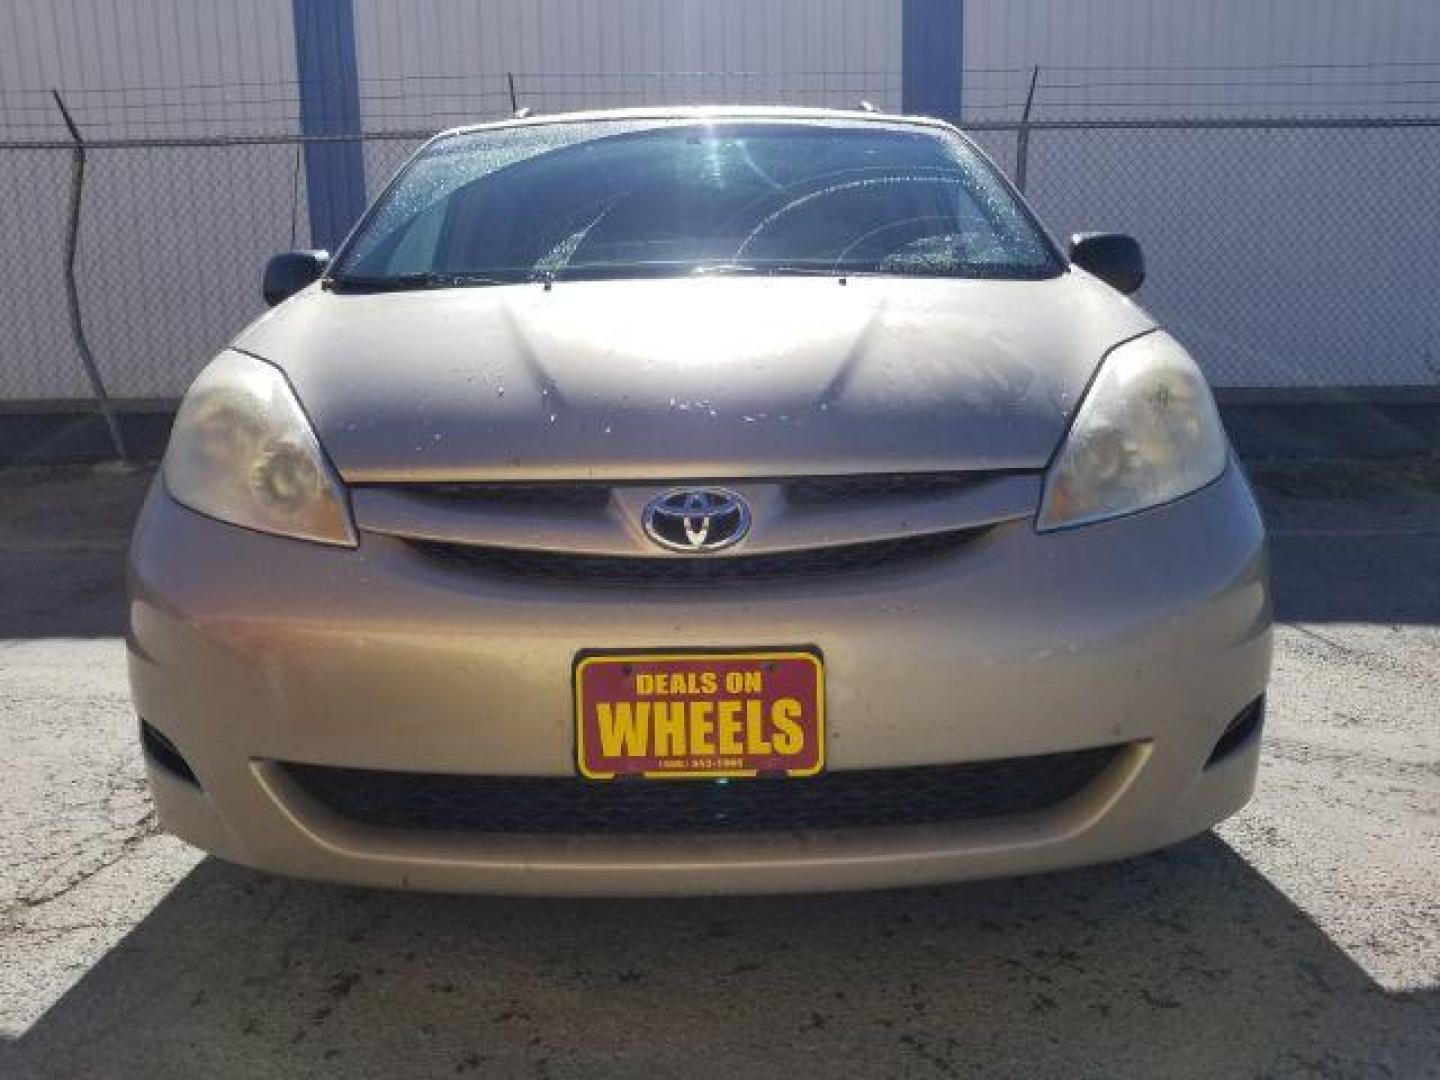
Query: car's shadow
point(1186, 963)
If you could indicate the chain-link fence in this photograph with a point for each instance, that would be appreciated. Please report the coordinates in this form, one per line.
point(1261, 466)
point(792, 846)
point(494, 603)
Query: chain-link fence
point(1284, 253)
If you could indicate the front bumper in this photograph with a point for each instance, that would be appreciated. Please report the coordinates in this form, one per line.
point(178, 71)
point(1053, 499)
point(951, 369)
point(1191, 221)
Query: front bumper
point(1150, 632)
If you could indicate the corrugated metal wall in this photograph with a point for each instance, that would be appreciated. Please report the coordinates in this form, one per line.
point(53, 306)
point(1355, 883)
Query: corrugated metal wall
point(444, 61)
point(1119, 58)
point(147, 68)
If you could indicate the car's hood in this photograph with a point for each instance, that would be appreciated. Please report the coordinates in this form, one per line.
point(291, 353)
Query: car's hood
point(694, 378)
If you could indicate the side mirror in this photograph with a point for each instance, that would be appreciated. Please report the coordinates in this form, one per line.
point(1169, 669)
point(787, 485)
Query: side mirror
point(287, 274)
point(1112, 257)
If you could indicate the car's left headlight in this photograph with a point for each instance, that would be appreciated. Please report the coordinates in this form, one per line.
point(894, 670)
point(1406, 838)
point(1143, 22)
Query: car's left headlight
point(1146, 433)
point(242, 451)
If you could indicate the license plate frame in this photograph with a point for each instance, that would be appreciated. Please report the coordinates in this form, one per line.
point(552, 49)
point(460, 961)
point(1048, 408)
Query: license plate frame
point(787, 683)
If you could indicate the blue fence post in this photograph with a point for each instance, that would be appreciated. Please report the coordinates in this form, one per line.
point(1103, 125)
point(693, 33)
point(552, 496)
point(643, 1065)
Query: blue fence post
point(329, 105)
point(932, 57)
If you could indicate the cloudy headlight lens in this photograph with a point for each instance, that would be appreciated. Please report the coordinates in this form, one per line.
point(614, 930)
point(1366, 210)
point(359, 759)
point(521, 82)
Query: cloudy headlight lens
point(1146, 433)
point(243, 452)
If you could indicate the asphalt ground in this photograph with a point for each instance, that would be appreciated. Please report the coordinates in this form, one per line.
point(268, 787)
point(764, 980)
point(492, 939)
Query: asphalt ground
point(1301, 938)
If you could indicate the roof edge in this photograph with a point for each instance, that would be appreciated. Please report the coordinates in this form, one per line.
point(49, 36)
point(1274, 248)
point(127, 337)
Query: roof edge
point(701, 112)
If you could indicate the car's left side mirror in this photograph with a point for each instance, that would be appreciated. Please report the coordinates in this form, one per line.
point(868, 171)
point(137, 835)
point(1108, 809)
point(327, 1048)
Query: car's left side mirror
point(288, 273)
point(1112, 257)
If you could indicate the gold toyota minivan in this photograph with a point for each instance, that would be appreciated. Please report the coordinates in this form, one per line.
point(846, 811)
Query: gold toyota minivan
point(698, 501)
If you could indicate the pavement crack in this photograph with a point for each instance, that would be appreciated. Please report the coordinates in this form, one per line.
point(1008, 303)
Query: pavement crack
point(1347, 650)
point(145, 828)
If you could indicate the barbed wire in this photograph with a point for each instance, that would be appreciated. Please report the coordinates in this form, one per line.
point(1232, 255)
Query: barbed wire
point(227, 107)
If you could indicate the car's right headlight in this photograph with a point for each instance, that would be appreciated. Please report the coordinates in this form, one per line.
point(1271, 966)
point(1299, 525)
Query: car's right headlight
point(1147, 432)
point(242, 451)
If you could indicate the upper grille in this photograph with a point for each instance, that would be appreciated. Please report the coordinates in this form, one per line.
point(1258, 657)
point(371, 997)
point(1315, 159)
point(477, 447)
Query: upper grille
point(931, 794)
point(800, 490)
point(570, 496)
point(816, 490)
point(566, 568)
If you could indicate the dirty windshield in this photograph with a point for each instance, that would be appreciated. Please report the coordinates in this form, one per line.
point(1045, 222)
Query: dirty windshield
point(624, 199)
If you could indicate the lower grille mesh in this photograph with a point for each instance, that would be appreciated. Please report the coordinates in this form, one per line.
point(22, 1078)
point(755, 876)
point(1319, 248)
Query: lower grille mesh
point(931, 794)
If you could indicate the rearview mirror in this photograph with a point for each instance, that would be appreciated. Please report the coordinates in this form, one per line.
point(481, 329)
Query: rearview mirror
point(288, 273)
point(1112, 257)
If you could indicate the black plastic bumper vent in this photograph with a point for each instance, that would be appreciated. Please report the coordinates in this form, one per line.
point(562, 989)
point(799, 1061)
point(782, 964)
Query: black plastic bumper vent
point(162, 751)
point(932, 794)
point(1245, 726)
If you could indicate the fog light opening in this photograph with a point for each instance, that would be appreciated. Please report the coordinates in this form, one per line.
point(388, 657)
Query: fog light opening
point(162, 752)
point(1241, 730)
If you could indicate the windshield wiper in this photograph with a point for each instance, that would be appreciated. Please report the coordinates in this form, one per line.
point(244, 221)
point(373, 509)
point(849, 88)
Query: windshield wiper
point(429, 279)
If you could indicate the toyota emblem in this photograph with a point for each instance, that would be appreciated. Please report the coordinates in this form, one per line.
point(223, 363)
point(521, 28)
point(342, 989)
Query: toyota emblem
point(697, 519)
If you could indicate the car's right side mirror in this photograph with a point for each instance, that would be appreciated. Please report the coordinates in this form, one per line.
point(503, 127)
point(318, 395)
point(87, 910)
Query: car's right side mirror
point(288, 273)
point(1114, 258)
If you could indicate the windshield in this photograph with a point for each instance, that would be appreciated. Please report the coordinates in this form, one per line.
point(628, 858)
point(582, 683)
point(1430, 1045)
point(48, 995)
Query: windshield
point(625, 198)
